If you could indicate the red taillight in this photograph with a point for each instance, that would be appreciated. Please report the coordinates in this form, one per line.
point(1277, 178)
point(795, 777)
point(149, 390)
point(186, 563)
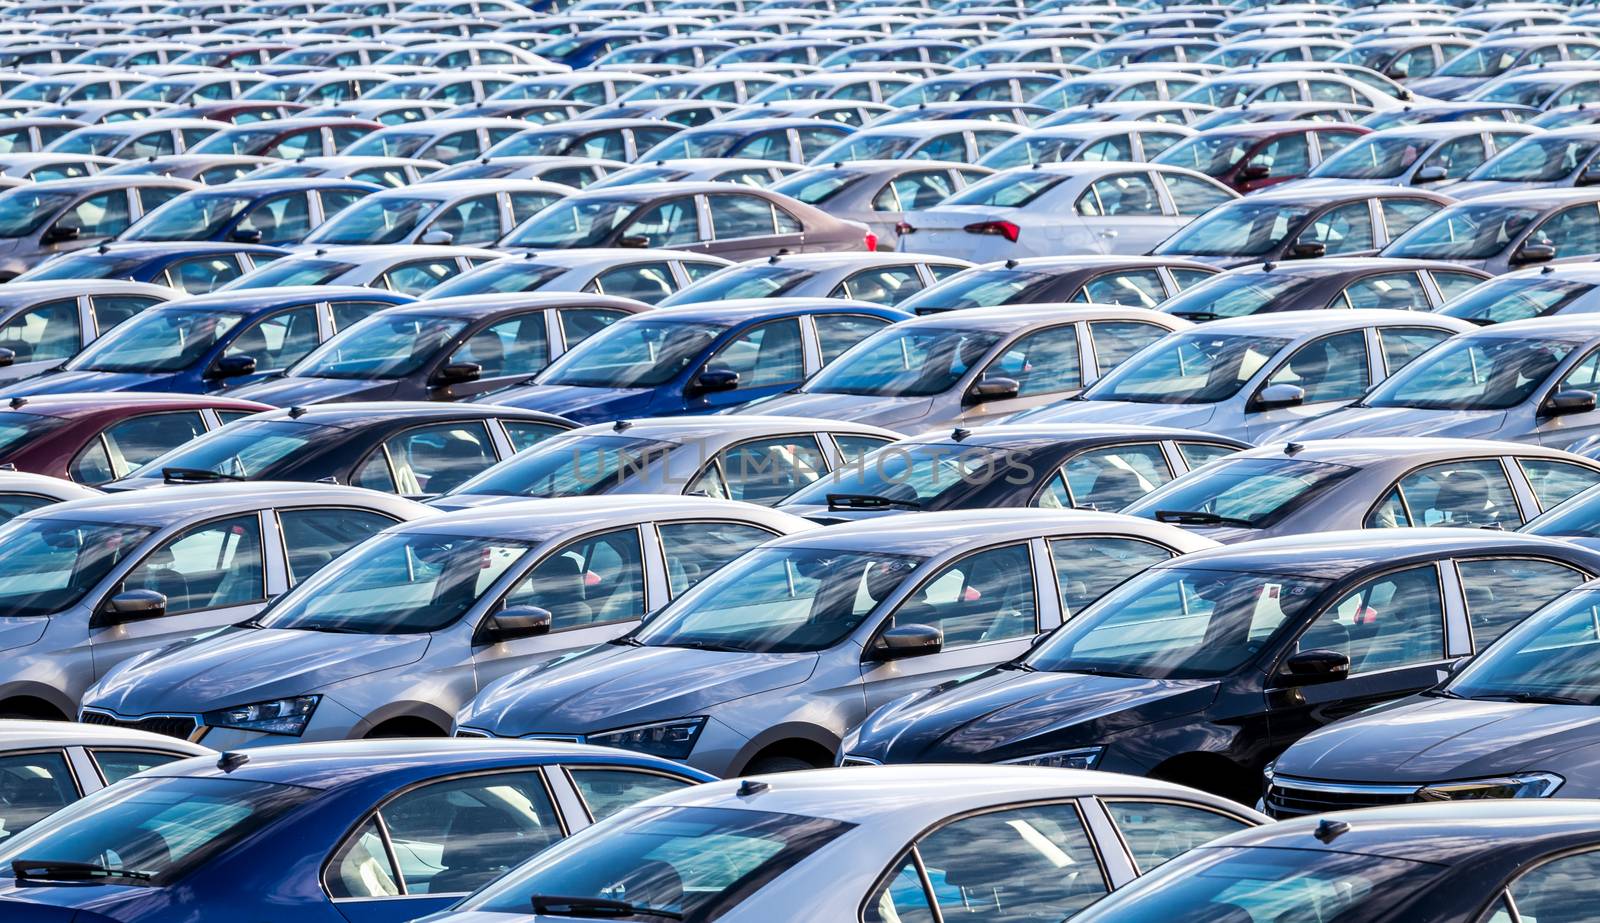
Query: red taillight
point(871, 241)
point(1003, 228)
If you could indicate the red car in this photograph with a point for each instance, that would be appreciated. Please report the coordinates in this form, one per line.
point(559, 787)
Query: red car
point(95, 438)
point(1255, 155)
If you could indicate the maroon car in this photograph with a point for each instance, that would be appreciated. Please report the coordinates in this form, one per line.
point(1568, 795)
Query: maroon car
point(299, 136)
point(244, 111)
point(1259, 154)
point(95, 438)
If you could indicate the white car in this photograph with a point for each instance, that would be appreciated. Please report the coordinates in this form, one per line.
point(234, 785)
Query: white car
point(1054, 209)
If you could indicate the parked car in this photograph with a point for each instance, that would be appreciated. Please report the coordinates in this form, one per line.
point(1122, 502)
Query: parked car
point(1501, 232)
point(879, 278)
point(272, 212)
point(193, 268)
point(1330, 282)
point(21, 493)
point(410, 269)
point(1134, 281)
point(40, 220)
point(1418, 155)
point(1257, 155)
point(1527, 293)
point(466, 213)
point(641, 274)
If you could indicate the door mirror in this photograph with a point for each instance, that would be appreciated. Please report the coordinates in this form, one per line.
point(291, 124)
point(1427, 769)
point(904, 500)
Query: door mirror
point(993, 388)
point(1284, 395)
point(1311, 668)
point(1254, 171)
point(438, 238)
point(633, 241)
point(1432, 174)
point(457, 373)
point(714, 380)
point(1589, 177)
point(1308, 250)
point(1568, 401)
point(1534, 253)
point(232, 367)
point(516, 622)
point(246, 235)
point(61, 233)
point(1396, 72)
point(908, 641)
point(133, 606)
point(7, 357)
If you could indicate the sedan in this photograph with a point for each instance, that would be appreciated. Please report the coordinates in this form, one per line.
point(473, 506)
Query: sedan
point(1258, 155)
point(136, 139)
point(43, 324)
point(959, 140)
point(410, 269)
point(1501, 232)
point(879, 193)
point(272, 212)
point(287, 139)
point(40, 220)
point(1553, 159)
point(793, 140)
point(609, 139)
point(880, 278)
point(466, 213)
point(1331, 282)
point(1134, 281)
point(191, 267)
point(1566, 288)
point(1201, 669)
point(1097, 141)
point(1417, 155)
point(641, 274)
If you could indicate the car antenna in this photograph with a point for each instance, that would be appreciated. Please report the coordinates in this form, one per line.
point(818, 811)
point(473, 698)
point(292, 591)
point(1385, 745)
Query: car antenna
point(1268, 266)
point(960, 433)
point(621, 425)
point(751, 787)
point(1011, 263)
point(1293, 448)
point(296, 413)
point(772, 260)
point(104, 247)
point(1547, 270)
point(231, 760)
point(18, 402)
point(1329, 830)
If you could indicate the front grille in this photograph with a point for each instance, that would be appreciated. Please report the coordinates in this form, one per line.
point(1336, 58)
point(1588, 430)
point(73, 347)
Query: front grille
point(182, 727)
point(1290, 797)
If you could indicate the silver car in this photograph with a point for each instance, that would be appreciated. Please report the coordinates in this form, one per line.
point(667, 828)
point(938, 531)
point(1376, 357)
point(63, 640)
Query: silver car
point(410, 269)
point(43, 324)
point(771, 661)
point(1380, 483)
point(973, 366)
point(1567, 288)
point(1246, 377)
point(1501, 232)
point(393, 638)
point(880, 278)
point(879, 193)
point(642, 274)
point(89, 583)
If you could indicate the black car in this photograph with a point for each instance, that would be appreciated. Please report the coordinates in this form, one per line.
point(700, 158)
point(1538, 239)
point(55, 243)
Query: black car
point(1507, 862)
point(1053, 466)
point(415, 448)
point(1136, 281)
point(1334, 282)
point(443, 350)
point(1202, 669)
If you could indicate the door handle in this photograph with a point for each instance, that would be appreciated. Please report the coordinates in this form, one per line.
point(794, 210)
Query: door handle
point(1108, 233)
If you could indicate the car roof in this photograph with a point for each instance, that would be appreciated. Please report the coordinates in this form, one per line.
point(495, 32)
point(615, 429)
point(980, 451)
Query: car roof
point(356, 414)
point(262, 187)
point(1017, 316)
point(1335, 554)
point(1335, 265)
point(29, 291)
point(734, 310)
point(1549, 198)
point(688, 429)
point(87, 404)
point(152, 248)
point(1039, 435)
point(22, 734)
point(252, 299)
point(929, 534)
point(1404, 451)
point(483, 305)
point(538, 520)
point(164, 507)
point(1301, 323)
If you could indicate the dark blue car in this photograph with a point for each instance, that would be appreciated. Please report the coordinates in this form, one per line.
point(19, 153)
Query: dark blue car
point(697, 358)
point(583, 49)
point(210, 343)
point(267, 211)
point(347, 832)
point(194, 268)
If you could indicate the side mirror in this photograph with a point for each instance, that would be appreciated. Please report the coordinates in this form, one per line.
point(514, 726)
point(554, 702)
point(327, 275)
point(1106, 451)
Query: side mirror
point(516, 622)
point(1589, 177)
point(7, 357)
point(1533, 253)
point(1312, 668)
point(437, 238)
point(1275, 396)
point(246, 235)
point(994, 388)
point(1254, 171)
point(908, 641)
point(61, 233)
point(633, 241)
point(232, 367)
point(1566, 402)
point(714, 380)
point(133, 606)
point(457, 373)
point(1396, 73)
point(1428, 175)
point(1308, 250)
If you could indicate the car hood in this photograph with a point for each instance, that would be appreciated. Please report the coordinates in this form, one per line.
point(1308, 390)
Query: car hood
point(1483, 187)
point(21, 631)
point(580, 404)
point(612, 686)
point(1393, 421)
point(889, 412)
point(1428, 739)
point(1008, 714)
point(243, 665)
point(86, 381)
point(297, 391)
point(1182, 416)
point(43, 902)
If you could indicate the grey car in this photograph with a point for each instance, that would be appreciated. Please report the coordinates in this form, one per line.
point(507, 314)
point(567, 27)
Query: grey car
point(879, 193)
point(1378, 483)
point(1416, 155)
point(395, 637)
point(1550, 159)
point(43, 324)
point(771, 661)
point(90, 583)
point(40, 220)
point(881, 278)
point(1566, 288)
point(1501, 232)
point(1249, 376)
point(973, 366)
point(641, 274)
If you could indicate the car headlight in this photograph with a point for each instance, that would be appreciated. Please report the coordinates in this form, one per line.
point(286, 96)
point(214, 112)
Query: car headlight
point(1081, 758)
point(671, 739)
point(278, 716)
point(1522, 785)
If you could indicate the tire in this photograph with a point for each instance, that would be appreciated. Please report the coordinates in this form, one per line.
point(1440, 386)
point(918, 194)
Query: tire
point(771, 764)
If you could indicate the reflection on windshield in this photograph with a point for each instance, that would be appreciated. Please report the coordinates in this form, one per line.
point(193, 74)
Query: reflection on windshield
point(1249, 492)
point(1552, 656)
point(1238, 229)
point(1538, 160)
point(1464, 232)
point(569, 466)
point(762, 280)
point(1473, 373)
point(499, 277)
point(244, 449)
point(190, 217)
point(918, 475)
point(376, 220)
point(47, 565)
point(381, 347)
point(586, 223)
point(1510, 298)
point(294, 272)
point(1188, 368)
point(976, 288)
point(159, 340)
point(1236, 294)
point(633, 354)
point(905, 362)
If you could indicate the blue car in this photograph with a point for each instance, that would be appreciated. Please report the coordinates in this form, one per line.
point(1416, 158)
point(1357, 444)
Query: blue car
point(210, 343)
point(268, 211)
point(193, 268)
point(347, 832)
point(697, 358)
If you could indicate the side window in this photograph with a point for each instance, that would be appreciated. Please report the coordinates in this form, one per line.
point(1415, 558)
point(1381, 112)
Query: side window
point(1328, 91)
point(208, 566)
point(153, 197)
point(1501, 592)
point(944, 147)
point(278, 341)
point(473, 222)
point(765, 355)
point(1159, 831)
point(1452, 285)
point(45, 331)
point(337, 200)
point(201, 274)
point(735, 216)
point(1401, 345)
point(1139, 288)
point(1391, 621)
point(1572, 232)
point(1400, 291)
point(647, 282)
point(889, 285)
point(1333, 368)
point(1186, 278)
point(579, 324)
point(525, 434)
point(1196, 454)
point(1473, 494)
point(516, 346)
point(694, 550)
point(1584, 376)
point(116, 765)
point(1029, 863)
point(139, 440)
point(607, 791)
point(668, 224)
point(838, 332)
point(314, 537)
point(281, 219)
point(1554, 481)
point(1156, 142)
point(103, 215)
point(902, 898)
point(1111, 478)
point(1042, 362)
point(1288, 155)
point(1116, 147)
point(1087, 567)
point(455, 147)
point(436, 459)
point(1459, 157)
point(1332, 142)
point(32, 787)
point(985, 596)
point(699, 269)
point(1193, 196)
point(152, 144)
point(1400, 215)
point(1346, 229)
point(853, 446)
point(1115, 340)
point(1127, 195)
point(590, 581)
point(763, 471)
point(416, 277)
point(1564, 890)
point(916, 190)
point(346, 313)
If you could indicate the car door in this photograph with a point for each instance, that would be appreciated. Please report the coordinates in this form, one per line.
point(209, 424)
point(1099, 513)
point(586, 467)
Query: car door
point(1124, 215)
point(1045, 364)
point(40, 337)
point(279, 219)
point(768, 358)
point(1562, 430)
point(427, 460)
point(1500, 592)
point(674, 223)
point(275, 342)
point(1402, 291)
point(472, 222)
point(747, 226)
point(1330, 371)
point(506, 351)
point(97, 218)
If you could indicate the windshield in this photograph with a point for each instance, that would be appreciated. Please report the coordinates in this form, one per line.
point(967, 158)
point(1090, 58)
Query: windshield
point(397, 583)
point(499, 277)
point(25, 210)
point(1538, 160)
point(1552, 656)
point(905, 362)
point(758, 280)
point(1464, 232)
point(1188, 368)
point(381, 347)
point(1487, 61)
point(1510, 298)
point(1473, 373)
point(633, 353)
point(237, 141)
point(17, 429)
point(48, 564)
point(308, 271)
point(244, 449)
point(375, 220)
point(814, 187)
point(1524, 92)
point(1224, 94)
point(154, 830)
point(86, 141)
point(1237, 294)
point(914, 475)
point(158, 340)
point(1238, 229)
point(83, 264)
point(1178, 623)
point(566, 466)
point(1211, 155)
point(1249, 492)
point(585, 223)
point(679, 863)
point(1025, 152)
point(872, 147)
point(692, 144)
point(1007, 190)
point(977, 288)
point(284, 91)
point(1374, 158)
point(190, 217)
point(780, 600)
point(536, 143)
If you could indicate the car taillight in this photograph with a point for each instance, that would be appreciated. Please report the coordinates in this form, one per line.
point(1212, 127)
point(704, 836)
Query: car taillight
point(1003, 228)
point(871, 240)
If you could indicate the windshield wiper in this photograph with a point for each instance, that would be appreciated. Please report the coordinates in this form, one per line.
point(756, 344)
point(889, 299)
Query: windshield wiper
point(1200, 518)
point(706, 646)
point(597, 907)
point(869, 502)
point(1098, 671)
point(62, 870)
point(1531, 698)
point(1017, 665)
point(1196, 315)
point(627, 641)
point(1442, 694)
point(328, 629)
point(184, 475)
